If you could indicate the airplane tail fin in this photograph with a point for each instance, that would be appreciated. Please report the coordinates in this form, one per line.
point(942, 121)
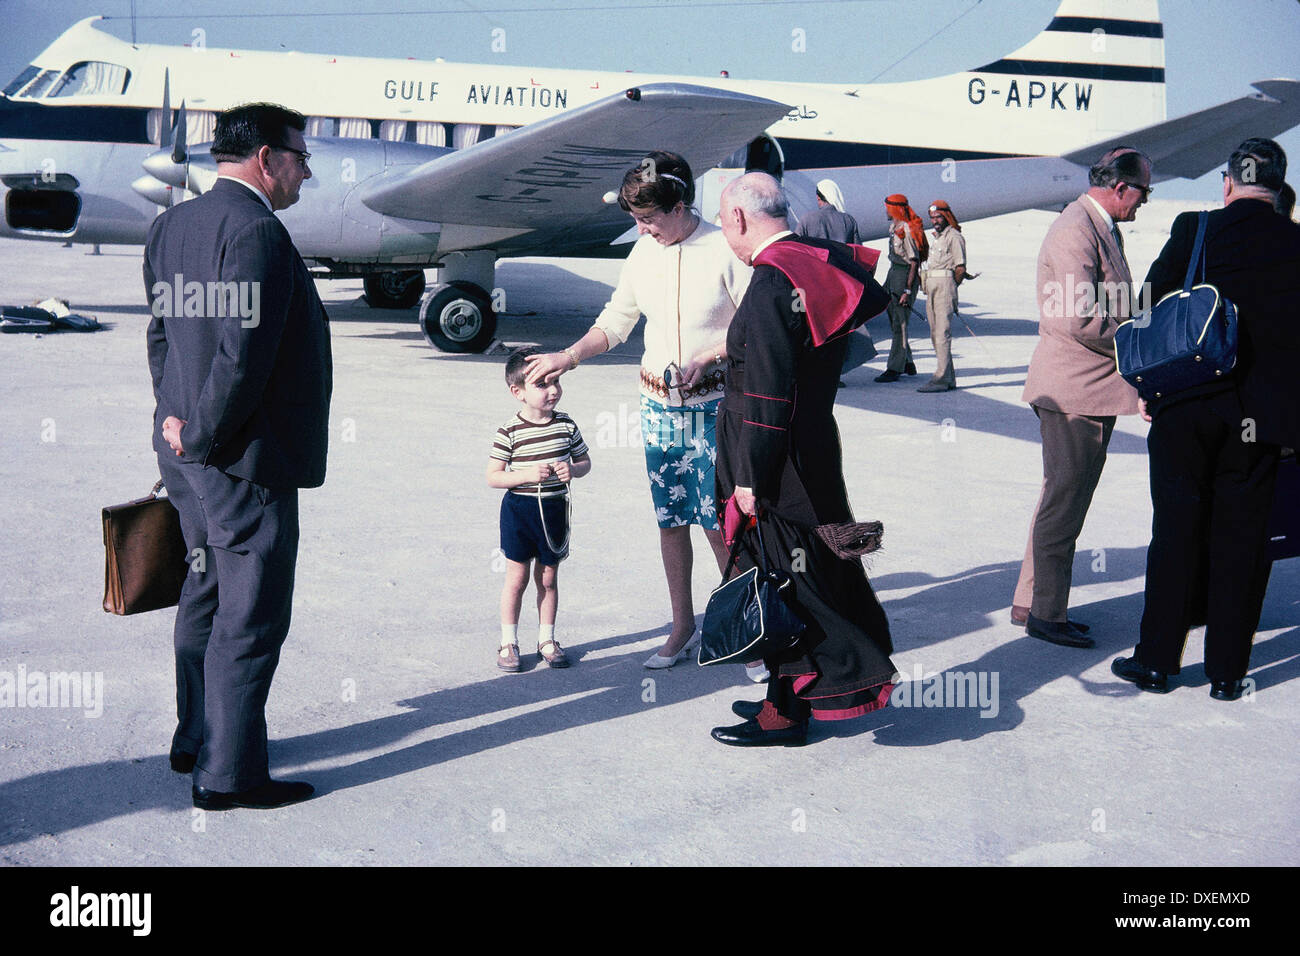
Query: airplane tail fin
point(1096, 70)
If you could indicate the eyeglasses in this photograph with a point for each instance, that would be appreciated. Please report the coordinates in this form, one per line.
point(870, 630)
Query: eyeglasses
point(1146, 190)
point(302, 155)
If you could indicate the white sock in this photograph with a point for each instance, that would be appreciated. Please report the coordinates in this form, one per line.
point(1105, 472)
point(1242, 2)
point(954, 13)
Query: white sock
point(545, 632)
point(509, 634)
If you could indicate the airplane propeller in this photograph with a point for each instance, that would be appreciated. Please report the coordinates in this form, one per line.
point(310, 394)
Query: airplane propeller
point(179, 153)
point(170, 168)
point(164, 121)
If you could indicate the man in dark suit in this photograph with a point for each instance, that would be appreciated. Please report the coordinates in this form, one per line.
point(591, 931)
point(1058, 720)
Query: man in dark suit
point(1214, 449)
point(240, 356)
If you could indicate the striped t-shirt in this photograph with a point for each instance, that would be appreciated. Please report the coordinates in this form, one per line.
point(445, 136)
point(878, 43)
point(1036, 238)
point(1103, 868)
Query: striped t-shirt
point(519, 443)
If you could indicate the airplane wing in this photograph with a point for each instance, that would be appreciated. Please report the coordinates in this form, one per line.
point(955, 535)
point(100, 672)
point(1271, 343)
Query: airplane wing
point(1192, 145)
point(554, 173)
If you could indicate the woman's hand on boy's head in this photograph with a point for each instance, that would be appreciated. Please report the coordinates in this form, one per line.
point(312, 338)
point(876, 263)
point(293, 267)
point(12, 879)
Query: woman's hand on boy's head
point(546, 367)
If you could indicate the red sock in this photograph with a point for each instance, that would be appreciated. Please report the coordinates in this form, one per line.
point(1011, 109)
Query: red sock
point(769, 719)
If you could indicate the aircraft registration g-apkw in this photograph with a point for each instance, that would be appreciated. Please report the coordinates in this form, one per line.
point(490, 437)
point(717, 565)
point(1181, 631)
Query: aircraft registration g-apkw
point(436, 164)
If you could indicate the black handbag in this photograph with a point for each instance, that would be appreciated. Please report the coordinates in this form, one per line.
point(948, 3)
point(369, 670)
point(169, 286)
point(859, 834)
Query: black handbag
point(747, 618)
point(1186, 339)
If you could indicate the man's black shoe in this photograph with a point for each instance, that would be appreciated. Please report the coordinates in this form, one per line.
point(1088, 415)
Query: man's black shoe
point(909, 369)
point(888, 375)
point(272, 794)
point(1133, 671)
point(181, 761)
point(747, 708)
point(1225, 689)
point(1020, 615)
point(750, 734)
point(1058, 632)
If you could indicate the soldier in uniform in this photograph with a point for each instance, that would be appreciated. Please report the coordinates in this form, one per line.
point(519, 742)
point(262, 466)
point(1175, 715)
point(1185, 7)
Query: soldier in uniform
point(907, 247)
point(945, 269)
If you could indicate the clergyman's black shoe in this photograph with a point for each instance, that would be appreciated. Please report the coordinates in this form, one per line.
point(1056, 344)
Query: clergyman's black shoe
point(750, 734)
point(272, 794)
point(888, 375)
point(749, 709)
point(1225, 689)
point(1135, 672)
point(909, 369)
point(1058, 632)
point(181, 761)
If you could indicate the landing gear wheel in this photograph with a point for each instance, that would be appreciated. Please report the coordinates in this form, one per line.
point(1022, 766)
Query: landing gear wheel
point(458, 318)
point(394, 290)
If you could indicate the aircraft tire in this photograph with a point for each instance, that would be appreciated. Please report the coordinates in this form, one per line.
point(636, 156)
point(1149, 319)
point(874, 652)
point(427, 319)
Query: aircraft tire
point(458, 317)
point(394, 290)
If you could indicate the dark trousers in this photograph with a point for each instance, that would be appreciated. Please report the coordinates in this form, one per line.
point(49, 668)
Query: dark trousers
point(232, 619)
point(780, 691)
point(1211, 494)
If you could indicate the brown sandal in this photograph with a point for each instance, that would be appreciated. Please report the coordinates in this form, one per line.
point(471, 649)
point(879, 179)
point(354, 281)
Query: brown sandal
point(555, 657)
point(508, 658)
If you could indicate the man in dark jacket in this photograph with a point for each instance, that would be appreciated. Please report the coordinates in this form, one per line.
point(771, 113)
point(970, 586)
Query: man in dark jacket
point(240, 356)
point(1214, 449)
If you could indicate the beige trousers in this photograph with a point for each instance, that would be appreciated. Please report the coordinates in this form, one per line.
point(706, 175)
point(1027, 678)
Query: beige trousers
point(1074, 453)
point(940, 307)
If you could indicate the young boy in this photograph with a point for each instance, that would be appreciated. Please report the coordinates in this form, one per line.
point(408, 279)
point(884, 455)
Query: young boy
point(534, 457)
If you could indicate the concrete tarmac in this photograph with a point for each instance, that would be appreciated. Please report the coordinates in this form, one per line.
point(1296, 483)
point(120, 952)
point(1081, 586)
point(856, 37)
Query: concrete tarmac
point(388, 700)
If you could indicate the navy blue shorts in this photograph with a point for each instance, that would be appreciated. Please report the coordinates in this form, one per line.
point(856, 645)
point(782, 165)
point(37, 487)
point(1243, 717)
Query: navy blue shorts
point(522, 537)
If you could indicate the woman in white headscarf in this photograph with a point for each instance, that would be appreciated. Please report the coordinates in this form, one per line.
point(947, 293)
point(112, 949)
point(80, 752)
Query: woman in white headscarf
point(830, 221)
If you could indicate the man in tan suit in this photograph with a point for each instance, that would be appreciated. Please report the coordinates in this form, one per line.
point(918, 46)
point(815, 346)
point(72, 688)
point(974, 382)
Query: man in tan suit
point(1084, 293)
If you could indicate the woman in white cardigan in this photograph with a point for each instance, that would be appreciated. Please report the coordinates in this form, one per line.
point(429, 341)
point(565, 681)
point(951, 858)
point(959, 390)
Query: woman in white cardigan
point(687, 283)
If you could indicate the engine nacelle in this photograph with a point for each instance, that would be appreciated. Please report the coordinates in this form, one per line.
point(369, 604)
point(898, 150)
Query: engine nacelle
point(330, 223)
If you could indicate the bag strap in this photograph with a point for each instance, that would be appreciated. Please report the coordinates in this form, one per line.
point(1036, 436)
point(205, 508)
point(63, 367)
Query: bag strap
point(735, 553)
point(1198, 252)
point(739, 543)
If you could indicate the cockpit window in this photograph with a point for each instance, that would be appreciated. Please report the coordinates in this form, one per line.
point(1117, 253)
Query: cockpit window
point(21, 80)
point(91, 78)
point(40, 84)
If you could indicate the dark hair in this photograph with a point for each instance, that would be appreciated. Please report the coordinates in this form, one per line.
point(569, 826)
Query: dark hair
point(661, 180)
point(1118, 165)
point(243, 130)
point(1284, 201)
point(517, 365)
point(1258, 162)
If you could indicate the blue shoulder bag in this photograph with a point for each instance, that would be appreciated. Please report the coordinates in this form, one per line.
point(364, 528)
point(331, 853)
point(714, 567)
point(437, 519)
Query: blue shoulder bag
point(1186, 339)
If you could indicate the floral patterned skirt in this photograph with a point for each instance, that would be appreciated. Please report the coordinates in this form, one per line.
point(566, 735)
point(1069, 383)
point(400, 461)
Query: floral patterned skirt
point(679, 455)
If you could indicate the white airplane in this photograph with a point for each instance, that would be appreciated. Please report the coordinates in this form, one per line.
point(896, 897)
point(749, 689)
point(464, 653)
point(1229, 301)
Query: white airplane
point(434, 164)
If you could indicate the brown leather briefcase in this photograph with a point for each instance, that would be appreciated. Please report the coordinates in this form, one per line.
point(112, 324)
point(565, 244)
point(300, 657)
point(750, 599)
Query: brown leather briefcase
point(145, 556)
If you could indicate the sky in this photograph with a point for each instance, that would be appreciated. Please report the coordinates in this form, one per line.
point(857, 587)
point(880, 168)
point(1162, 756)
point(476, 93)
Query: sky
point(1213, 48)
